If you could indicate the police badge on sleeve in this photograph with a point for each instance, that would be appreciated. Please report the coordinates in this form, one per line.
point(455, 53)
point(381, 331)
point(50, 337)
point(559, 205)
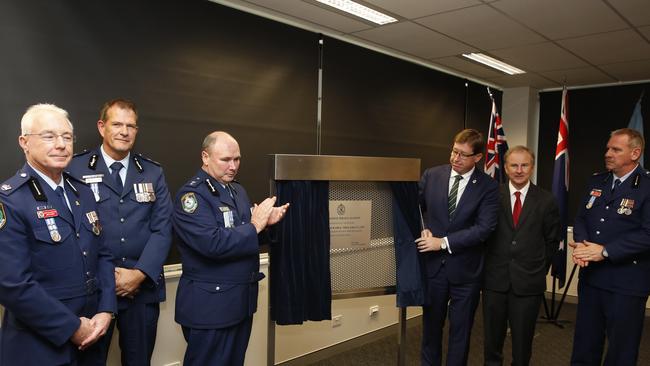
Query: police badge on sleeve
point(3, 216)
point(189, 202)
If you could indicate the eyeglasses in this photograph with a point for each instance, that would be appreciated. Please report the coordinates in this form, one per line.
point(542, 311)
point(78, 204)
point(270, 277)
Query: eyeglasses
point(50, 137)
point(461, 155)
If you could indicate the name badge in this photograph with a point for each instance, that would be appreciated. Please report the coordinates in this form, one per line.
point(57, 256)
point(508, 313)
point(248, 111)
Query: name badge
point(94, 178)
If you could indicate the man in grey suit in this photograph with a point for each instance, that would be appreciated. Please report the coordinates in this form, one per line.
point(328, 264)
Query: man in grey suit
point(519, 253)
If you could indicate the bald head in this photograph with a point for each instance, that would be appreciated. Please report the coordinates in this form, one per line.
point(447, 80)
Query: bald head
point(221, 156)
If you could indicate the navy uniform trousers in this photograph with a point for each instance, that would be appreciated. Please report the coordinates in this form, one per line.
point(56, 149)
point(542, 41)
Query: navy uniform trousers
point(55, 269)
point(217, 292)
point(137, 222)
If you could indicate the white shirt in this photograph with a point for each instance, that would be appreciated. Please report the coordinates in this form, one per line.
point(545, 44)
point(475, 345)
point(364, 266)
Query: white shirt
point(53, 185)
point(522, 197)
point(110, 161)
point(623, 178)
point(461, 188)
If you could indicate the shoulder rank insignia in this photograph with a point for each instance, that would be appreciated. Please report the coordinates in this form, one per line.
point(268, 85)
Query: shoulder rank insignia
point(5, 187)
point(189, 202)
point(3, 216)
point(92, 164)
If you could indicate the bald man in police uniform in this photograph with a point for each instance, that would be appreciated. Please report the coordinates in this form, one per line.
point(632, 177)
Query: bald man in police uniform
point(135, 207)
point(218, 228)
point(612, 245)
point(56, 276)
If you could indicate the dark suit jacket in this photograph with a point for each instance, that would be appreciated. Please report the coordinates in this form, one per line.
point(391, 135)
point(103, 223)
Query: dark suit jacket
point(467, 230)
point(520, 257)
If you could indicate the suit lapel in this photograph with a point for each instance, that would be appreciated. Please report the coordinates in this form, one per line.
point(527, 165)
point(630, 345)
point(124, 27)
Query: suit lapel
point(505, 204)
point(468, 193)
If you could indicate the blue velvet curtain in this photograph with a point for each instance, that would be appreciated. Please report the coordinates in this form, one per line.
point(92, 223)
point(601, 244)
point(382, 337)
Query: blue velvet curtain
point(406, 227)
point(300, 259)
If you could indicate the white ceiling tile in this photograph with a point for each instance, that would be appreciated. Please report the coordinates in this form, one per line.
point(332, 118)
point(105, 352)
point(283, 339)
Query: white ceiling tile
point(608, 48)
point(465, 66)
point(558, 19)
point(313, 14)
point(578, 76)
point(628, 71)
point(414, 39)
point(539, 57)
point(636, 11)
point(482, 27)
point(532, 80)
point(417, 8)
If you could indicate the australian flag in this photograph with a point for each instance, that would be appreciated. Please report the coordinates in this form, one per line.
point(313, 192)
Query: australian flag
point(561, 189)
point(496, 147)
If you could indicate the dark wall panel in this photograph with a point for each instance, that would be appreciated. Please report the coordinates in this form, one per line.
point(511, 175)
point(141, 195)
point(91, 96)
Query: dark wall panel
point(191, 66)
point(592, 113)
point(377, 105)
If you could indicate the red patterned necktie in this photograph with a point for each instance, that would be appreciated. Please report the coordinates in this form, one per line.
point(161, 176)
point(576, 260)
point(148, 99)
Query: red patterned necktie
point(516, 211)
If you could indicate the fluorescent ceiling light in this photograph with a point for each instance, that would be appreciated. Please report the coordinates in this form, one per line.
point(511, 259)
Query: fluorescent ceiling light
point(359, 10)
point(494, 63)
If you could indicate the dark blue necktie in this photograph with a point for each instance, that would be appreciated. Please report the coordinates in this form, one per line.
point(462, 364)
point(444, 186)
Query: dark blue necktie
point(61, 193)
point(115, 173)
point(617, 182)
point(232, 193)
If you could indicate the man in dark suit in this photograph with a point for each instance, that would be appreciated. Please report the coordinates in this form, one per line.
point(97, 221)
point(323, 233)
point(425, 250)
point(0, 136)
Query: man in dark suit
point(518, 255)
point(612, 245)
point(218, 227)
point(460, 206)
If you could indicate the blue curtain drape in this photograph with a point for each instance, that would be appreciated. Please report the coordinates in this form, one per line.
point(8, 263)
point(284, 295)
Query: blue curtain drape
point(406, 227)
point(300, 259)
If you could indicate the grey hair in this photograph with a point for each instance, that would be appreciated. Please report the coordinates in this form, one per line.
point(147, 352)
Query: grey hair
point(34, 111)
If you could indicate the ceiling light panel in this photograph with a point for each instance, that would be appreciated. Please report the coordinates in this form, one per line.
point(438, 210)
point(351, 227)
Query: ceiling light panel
point(359, 10)
point(493, 63)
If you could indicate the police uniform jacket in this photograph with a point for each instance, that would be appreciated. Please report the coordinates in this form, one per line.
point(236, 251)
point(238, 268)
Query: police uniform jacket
point(621, 222)
point(137, 222)
point(54, 268)
point(219, 252)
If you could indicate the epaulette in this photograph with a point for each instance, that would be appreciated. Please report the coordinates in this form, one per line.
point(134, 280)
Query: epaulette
point(12, 184)
point(146, 159)
point(86, 151)
point(194, 182)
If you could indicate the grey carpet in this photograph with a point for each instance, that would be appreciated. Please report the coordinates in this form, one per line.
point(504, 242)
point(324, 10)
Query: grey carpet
point(552, 346)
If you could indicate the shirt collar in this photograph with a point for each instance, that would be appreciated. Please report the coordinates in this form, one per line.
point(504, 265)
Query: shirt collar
point(108, 160)
point(623, 178)
point(465, 176)
point(523, 191)
point(47, 179)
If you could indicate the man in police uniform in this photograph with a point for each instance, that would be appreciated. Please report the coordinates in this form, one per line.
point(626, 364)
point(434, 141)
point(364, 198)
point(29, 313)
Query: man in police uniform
point(135, 208)
point(218, 227)
point(56, 277)
point(612, 245)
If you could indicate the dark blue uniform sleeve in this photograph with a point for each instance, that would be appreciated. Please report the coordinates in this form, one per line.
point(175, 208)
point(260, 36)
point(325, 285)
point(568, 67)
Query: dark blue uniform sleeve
point(155, 252)
point(20, 294)
point(204, 231)
point(106, 277)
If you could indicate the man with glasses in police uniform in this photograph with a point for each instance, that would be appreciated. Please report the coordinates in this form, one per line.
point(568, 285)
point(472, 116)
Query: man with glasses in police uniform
point(460, 205)
point(56, 276)
point(135, 208)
